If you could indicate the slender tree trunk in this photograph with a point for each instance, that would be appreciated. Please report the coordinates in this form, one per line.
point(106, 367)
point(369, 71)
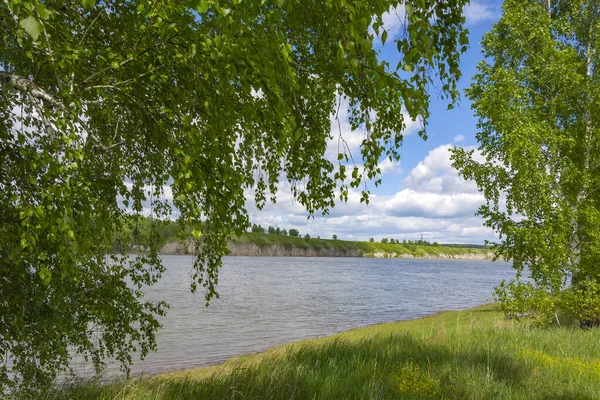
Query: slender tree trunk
point(579, 273)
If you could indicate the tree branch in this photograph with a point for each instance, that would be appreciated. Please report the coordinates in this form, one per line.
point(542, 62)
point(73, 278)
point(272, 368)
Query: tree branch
point(25, 85)
point(12, 14)
point(89, 78)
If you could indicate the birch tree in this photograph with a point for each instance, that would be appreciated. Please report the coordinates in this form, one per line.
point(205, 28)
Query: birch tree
point(537, 99)
point(112, 109)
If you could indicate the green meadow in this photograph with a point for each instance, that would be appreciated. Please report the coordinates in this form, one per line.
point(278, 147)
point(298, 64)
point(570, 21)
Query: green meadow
point(470, 354)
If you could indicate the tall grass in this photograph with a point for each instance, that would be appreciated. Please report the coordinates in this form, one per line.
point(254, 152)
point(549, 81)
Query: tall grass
point(473, 354)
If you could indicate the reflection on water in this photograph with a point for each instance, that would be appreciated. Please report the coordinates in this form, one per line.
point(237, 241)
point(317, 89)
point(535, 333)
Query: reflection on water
point(266, 301)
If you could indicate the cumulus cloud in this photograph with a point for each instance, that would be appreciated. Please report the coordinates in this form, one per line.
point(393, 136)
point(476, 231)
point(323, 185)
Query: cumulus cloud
point(432, 200)
point(481, 10)
point(435, 174)
point(459, 138)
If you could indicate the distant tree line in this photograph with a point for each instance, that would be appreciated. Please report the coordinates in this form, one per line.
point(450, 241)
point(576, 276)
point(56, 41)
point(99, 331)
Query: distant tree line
point(407, 242)
point(278, 231)
point(274, 231)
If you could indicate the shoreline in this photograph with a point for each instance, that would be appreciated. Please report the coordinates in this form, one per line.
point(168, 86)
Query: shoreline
point(277, 348)
point(468, 353)
point(265, 245)
point(387, 256)
point(348, 251)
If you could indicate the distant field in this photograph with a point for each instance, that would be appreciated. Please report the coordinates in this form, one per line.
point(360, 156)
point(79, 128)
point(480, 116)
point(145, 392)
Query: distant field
point(470, 354)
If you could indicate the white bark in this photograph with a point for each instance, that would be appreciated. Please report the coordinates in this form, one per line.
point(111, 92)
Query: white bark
point(27, 86)
point(575, 240)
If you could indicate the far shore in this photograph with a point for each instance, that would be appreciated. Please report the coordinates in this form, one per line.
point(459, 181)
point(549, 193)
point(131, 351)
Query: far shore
point(262, 245)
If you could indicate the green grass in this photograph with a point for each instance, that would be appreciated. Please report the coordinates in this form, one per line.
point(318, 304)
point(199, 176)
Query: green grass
point(367, 249)
point(471, 354)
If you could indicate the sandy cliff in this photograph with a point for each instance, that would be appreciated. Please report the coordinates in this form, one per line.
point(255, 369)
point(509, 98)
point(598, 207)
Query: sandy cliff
point(277, 250)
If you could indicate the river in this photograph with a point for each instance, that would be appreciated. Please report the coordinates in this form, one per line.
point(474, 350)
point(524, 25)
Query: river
point(267, 301)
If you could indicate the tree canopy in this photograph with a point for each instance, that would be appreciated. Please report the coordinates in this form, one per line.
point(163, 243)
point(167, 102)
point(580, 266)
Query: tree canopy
point(537, 97)
point(111, 109)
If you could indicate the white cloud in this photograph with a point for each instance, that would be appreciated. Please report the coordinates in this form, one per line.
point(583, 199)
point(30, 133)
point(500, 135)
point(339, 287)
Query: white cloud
point(390, 167)
point(459, 138)
point(480, 10)
point(435, 174)
point(412, 203)
point(433, 200)
point(394, 20)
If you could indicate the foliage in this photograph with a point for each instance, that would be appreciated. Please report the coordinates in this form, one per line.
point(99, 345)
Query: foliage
point(384, 240)
point(307, 236)
point(469, 354)
point(139, 230)
point(334, 237)
point(372, 240)
point(294, 232)
point(113, 108)
point(257, 229)
point(536, 97)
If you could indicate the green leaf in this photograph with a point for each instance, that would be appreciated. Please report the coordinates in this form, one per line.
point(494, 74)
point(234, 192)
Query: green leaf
point(45, 275)
point(384, 36)
point(88, 4)
point(42, 11)
point(223, 11)
point(32, 26)
point(203, 6)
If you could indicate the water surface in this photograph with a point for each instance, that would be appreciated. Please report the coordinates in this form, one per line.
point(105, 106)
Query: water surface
point(266, 301)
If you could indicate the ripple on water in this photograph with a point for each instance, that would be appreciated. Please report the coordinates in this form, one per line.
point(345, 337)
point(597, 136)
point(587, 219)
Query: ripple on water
point(267, 301)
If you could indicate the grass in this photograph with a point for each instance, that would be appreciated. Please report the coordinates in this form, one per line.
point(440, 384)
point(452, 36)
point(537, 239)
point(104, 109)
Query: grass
point(471, 354)
point(367, 249)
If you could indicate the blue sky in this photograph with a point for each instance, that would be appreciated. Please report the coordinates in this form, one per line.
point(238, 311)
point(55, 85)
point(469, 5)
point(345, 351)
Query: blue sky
point(421, 194)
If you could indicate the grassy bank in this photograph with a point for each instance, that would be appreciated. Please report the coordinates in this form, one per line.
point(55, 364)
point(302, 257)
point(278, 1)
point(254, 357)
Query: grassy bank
point(368, 249)
point(471, 354)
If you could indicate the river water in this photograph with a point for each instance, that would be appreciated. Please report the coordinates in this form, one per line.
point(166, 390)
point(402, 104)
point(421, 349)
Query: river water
point(267, 301)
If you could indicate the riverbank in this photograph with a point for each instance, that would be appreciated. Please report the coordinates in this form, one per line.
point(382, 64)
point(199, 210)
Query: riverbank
point(254, 244)
point(474, 354)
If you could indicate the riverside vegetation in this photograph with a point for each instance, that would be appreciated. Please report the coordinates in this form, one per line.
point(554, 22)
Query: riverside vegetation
point(471, 354)
point(352, 248)
point(165, 237)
